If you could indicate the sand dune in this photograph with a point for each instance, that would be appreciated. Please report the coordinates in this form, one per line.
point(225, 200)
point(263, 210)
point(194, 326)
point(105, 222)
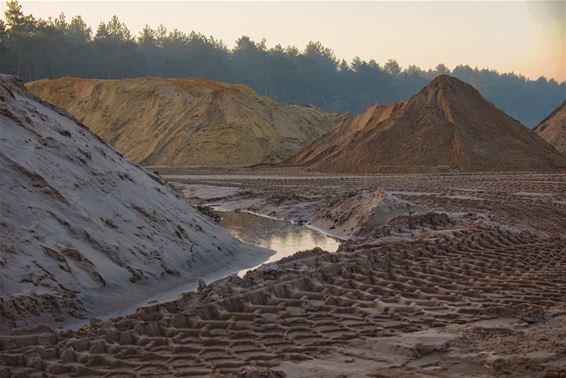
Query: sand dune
point(447, 126)
point(553, 128)
point(83, 230)
point(187, 122)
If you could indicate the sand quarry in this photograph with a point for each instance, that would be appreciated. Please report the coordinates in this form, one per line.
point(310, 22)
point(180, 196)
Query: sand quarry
point(448, 273)
point(466, 278)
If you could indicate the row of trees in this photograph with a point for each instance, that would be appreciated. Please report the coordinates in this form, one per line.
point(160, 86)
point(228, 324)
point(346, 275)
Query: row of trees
point(36, 48)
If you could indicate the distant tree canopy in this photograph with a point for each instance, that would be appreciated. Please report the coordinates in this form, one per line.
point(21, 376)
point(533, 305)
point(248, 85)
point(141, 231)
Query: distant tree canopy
point(35, 48)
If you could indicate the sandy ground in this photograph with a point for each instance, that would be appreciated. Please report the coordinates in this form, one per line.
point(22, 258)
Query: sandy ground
point(469, 283)
point(533, 202)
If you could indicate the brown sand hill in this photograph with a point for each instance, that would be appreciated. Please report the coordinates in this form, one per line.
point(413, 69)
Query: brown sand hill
point(553, 128)
point(187, 122)
point(447, 126)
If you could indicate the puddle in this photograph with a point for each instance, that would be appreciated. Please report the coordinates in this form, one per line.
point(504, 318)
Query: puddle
point(283, 237)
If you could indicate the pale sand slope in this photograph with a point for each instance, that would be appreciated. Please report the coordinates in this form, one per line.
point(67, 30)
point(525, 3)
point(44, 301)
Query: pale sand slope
point(85, 231)
point(553, 128)
point(447, 126)
point(187, 122)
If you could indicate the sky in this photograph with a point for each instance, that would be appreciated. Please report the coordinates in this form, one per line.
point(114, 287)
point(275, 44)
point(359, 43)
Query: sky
point(525, 37)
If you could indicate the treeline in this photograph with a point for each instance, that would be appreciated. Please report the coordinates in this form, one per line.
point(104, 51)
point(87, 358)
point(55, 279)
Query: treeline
point(36, 48)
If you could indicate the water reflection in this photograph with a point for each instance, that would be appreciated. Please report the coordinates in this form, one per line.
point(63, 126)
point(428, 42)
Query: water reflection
point(282, 237)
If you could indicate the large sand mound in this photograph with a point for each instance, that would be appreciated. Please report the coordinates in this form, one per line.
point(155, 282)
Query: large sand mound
point(447, 126)
point(553, 128)
point(83, 230)
point(187, 122)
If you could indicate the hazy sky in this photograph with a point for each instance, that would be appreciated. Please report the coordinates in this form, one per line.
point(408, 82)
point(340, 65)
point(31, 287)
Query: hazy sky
point(527, 37)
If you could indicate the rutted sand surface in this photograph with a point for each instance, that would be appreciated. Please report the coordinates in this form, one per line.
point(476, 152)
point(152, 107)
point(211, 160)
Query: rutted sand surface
point(359, 308)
